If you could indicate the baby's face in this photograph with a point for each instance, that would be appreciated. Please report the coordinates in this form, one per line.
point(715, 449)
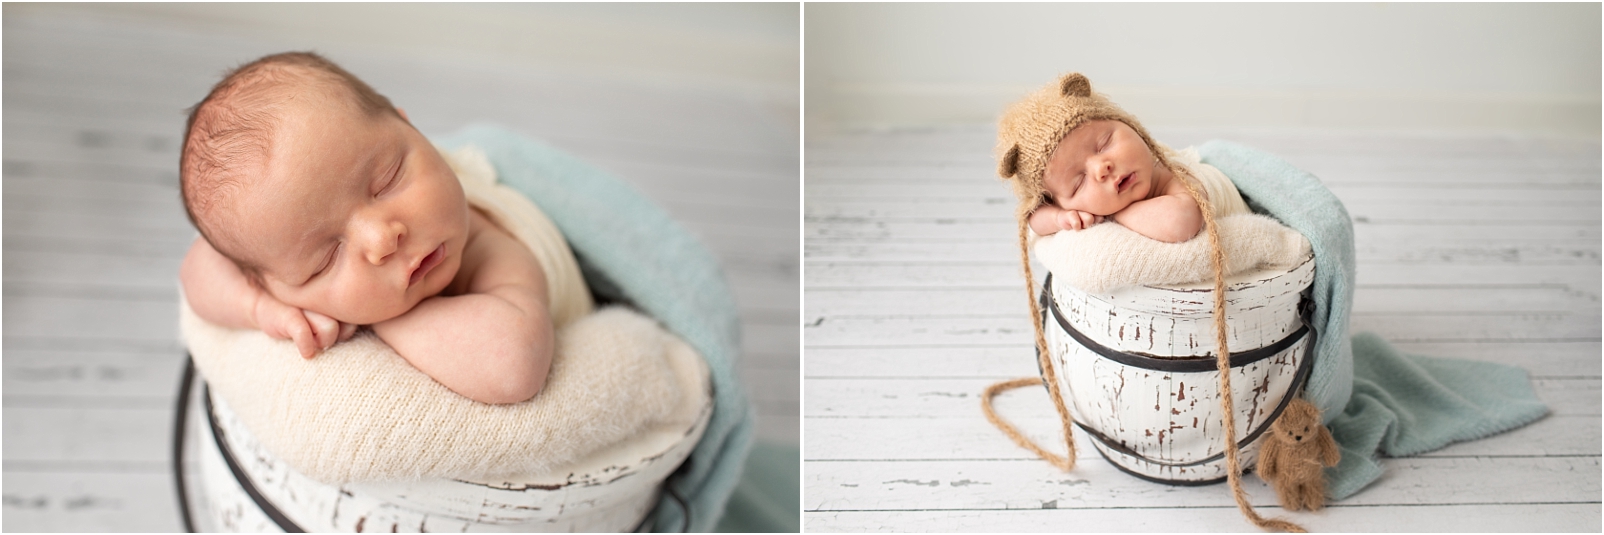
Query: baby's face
point(356, 218)
point(1100, 167)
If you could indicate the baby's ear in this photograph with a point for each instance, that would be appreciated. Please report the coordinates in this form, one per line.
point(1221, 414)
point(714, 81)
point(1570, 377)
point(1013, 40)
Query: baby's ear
point(1075, 85)
point(1009, 165)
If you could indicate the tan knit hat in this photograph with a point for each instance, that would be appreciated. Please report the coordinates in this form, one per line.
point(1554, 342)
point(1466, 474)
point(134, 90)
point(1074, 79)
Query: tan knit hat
point(1033, 127)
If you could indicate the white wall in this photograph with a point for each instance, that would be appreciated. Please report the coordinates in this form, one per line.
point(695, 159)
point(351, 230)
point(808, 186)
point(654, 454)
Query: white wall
point(1368, 66)
point(751, 45)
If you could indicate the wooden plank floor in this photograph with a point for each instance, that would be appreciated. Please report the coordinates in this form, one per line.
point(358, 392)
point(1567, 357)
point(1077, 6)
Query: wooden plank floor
point(94, 230)
point(1482, 247)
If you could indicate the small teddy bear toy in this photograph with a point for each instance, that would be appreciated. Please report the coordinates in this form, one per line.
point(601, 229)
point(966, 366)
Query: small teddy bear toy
point(1293, 456)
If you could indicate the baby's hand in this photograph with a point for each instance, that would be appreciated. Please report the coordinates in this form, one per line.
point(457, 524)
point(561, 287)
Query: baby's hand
point(311, 331)
point(1077, 220)
point(1049, 219)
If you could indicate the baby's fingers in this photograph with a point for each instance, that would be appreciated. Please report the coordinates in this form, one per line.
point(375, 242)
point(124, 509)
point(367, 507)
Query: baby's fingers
point(1069, 220)
point(326, 329)
point(305, 340)
point(1078, 220)
point(347, 330)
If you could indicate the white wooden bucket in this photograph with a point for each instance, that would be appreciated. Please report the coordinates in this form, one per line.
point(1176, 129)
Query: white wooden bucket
point(235, 485)
point(1138, 371)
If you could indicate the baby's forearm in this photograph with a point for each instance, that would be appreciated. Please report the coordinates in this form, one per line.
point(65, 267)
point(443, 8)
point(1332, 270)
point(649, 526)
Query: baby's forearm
point(1168, 218)
point(482, 346)
point(1044, 221)
point(216, 289)
point(1048, 219)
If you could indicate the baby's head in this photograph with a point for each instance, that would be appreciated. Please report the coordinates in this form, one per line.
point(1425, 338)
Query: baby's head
point(321, 191)
point(1045, 141)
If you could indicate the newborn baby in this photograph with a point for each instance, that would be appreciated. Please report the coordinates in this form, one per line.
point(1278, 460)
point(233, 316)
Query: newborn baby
point(322, 209)
point(1103, 169)
point(1076, 159)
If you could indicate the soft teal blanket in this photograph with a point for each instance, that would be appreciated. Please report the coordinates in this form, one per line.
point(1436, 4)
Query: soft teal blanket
point(769, 497)
point(631, 250)
point(1374, 398)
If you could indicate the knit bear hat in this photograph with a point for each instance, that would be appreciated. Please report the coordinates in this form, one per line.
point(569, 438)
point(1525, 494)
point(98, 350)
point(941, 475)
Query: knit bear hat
point(1033, 127)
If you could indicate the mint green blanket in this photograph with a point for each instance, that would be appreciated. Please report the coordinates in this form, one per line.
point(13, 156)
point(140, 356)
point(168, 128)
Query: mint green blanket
point(630, 250)
point(1374, 397)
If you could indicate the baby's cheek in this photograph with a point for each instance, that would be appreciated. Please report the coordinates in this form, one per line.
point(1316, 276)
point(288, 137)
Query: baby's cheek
point(348, 304)
point(388, 304)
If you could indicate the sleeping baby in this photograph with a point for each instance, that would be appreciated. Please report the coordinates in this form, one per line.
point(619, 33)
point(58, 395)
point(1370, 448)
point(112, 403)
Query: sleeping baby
point(322, 209)
point(1106, 167)
point(1076, 160)
point(1103, 170)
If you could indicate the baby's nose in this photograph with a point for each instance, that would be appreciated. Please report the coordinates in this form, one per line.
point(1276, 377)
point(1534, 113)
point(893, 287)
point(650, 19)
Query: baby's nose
point(1105, 170)
point(385, 240)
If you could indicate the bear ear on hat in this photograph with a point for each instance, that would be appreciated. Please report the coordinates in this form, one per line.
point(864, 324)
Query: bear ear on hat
point(1075, 85)
point(1008, 166)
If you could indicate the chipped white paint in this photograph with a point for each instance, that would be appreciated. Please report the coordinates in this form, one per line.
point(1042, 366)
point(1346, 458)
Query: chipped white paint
point(612, 490)
point(1167, 424)
point(1178, 321)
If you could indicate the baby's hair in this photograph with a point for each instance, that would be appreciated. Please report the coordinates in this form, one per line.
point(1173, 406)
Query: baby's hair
point(232, 127)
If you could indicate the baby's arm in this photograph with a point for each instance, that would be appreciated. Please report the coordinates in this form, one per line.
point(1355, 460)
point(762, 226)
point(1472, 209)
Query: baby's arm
point(492, 343)
point(1049, 218)
point(219, 293)
point(1172, 218)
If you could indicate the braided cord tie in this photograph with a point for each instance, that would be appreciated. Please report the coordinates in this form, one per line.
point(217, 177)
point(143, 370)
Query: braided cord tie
point(1049, 374)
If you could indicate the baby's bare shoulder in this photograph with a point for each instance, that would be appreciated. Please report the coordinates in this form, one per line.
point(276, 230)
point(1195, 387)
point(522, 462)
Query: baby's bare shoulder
point(494, 258)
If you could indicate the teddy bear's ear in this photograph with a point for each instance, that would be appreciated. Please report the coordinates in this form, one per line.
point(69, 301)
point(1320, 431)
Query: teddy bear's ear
point(1008, 166)
point(1075, 85)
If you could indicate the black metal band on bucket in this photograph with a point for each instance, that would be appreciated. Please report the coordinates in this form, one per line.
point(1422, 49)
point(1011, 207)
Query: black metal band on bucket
point(180, 421)
point(272, 512)
point(1297, 382)
point(1178, 365)
point(1193, 365)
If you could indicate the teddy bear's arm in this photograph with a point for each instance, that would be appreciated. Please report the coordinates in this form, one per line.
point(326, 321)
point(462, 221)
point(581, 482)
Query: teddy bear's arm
point(1267, 457)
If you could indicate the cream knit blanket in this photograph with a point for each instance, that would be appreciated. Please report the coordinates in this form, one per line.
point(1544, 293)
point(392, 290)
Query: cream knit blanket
point(1109, 256)
point(359, 412)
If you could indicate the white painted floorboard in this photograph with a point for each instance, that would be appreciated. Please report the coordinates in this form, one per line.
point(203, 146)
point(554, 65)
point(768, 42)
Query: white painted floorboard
point(94, 230)
point(1482, 247)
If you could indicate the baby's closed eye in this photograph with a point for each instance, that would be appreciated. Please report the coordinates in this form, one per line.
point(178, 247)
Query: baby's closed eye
point(389, 180)
point(326, 265)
